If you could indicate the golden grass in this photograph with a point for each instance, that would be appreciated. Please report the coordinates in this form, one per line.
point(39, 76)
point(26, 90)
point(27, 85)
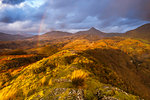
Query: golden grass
point(9, 95)
point(50, 82)
point(43, 80)
point(78, 78)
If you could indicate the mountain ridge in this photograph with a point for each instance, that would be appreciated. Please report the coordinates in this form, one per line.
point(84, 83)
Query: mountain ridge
point(10, 37)
point(142, 32)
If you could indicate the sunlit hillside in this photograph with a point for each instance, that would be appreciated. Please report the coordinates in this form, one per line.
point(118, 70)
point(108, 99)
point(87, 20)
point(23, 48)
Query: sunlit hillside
point(54, 78)
point(111, 68)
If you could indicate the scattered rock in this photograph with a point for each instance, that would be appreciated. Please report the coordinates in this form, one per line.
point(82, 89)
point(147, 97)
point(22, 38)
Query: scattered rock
point(109, 98)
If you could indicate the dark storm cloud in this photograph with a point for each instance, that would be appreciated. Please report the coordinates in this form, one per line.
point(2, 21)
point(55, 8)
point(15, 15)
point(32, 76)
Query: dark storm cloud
point(12, 2)
point(12, 15)
point(107, 15)
point(109, 12)
point(139, 9)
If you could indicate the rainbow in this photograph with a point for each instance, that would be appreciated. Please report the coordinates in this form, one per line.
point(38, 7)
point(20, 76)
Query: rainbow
point(42, 23)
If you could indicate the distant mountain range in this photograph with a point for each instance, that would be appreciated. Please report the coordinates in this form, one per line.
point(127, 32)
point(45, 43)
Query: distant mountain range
point(51, 35)
point(9, 37)
point(142, 32)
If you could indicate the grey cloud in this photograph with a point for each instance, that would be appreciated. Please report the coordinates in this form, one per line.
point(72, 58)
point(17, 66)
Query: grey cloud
point(12, 2)
point(107, 15)
point(12, 15)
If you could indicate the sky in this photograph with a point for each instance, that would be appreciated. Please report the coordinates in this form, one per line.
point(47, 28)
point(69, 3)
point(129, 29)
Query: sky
point(40, 16)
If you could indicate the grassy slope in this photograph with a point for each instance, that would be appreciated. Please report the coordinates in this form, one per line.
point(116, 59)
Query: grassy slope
point(49, 78)
point(122, 62)
point(129, 58)
point(10, 65)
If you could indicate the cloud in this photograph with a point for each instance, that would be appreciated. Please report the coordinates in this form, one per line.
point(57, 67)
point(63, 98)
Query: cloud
point(12, 2)
point(106, 15)
point(138, 9)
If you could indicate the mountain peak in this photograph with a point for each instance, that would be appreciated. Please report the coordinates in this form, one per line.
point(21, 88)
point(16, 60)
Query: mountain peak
point(92, 29)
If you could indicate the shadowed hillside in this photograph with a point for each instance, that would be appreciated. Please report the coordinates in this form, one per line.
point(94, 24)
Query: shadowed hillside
point(142, 32)
point(9, 37)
